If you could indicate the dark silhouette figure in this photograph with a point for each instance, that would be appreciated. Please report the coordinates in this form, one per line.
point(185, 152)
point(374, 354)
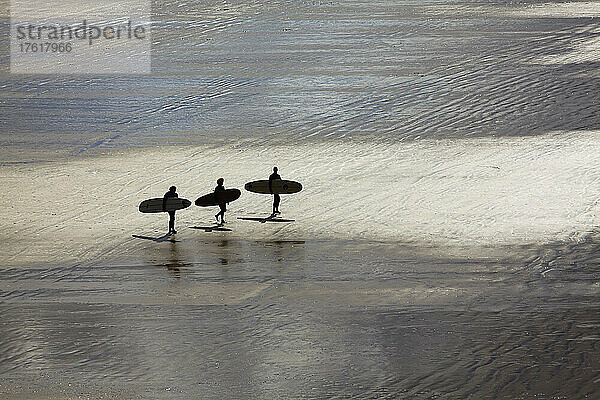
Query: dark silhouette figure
point(220, 188)
point(171, 193)
point(276, 198)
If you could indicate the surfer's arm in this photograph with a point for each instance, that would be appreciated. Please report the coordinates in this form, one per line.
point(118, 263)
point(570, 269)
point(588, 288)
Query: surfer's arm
point(271, 178)
point(165, 197)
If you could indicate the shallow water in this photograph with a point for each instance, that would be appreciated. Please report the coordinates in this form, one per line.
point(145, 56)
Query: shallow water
point(469, 126)
point(271, 72)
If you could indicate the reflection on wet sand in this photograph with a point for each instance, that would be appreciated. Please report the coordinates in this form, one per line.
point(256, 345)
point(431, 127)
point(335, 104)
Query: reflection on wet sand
point(174, 263)
point(224, 257)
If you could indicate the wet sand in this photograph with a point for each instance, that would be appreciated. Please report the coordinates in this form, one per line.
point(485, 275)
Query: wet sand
point(214, 317)
point(461, 293)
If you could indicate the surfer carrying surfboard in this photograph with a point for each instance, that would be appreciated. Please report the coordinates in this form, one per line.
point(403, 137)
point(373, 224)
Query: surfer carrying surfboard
point(223, 206)
point(276, 198)
point(171, 193)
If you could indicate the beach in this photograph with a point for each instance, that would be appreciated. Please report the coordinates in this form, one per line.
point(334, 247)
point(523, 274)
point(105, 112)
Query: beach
point(441, 294)
point(443, 245)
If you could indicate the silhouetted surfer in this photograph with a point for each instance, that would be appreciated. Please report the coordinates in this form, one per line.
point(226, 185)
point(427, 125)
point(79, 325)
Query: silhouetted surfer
point(222, 206)
point(276, 198)
point(169, 194)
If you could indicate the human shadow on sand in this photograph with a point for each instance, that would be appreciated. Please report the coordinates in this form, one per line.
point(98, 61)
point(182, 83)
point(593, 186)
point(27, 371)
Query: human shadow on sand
point(266, 219)
point(218, 228)
point(164, 238)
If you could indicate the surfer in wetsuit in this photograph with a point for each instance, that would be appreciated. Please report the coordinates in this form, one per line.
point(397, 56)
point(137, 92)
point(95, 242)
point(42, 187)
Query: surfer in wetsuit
point(276, 198)
point(222, 206)
point(171, 193)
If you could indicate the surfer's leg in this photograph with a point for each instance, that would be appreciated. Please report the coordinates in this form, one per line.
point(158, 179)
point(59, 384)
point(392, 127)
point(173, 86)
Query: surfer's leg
point(223, 209)
point(276, 202)
point(172, 221)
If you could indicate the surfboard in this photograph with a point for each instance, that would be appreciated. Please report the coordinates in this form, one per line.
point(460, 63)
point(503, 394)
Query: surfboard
point(279, 186)
point(156, 205)
point(226, 196)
